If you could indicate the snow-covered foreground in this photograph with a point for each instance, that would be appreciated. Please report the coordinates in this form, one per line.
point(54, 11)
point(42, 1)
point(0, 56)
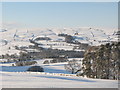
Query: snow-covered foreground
point(34, 80)
point(54, 77)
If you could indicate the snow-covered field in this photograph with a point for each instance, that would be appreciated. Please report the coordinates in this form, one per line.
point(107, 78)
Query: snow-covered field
point(55, 76)
point(35, 80)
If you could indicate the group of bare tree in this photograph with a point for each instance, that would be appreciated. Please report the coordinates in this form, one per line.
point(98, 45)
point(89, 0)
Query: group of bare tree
point(73, 66)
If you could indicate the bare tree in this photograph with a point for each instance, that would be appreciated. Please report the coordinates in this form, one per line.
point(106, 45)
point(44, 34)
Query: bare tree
point(73, 66)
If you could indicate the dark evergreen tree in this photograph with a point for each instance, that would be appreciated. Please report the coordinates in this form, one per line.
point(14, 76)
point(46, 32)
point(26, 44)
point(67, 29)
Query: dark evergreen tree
point(102, 61)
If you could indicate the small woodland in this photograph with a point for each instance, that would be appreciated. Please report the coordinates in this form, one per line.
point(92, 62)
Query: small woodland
point(102, 62)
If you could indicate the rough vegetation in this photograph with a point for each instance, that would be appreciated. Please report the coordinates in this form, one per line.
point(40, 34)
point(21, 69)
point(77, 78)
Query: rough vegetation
point(102, 61)
point(56, 60)
point(43, 53)
point(25, 63)
point(42, 38)
point(36, 69)
point(69, 39)
point(46, 62)
point(55, 53)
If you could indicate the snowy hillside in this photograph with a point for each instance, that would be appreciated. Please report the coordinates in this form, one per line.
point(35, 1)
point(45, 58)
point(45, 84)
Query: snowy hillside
point(13, 37)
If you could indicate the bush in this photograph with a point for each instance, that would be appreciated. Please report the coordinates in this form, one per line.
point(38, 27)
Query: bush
point(53, 61)
point(42, 38)
point(36, 69)
point(69, 39)
point(46, 62)
point(62, 35)
point(25, 63)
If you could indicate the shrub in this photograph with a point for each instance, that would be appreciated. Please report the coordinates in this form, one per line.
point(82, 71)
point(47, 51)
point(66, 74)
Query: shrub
point(69, 39)
point(62, 35)
point(25, 63)
point(42, 38)
point(46, 62)
point(53, 61)
point(36, 69)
